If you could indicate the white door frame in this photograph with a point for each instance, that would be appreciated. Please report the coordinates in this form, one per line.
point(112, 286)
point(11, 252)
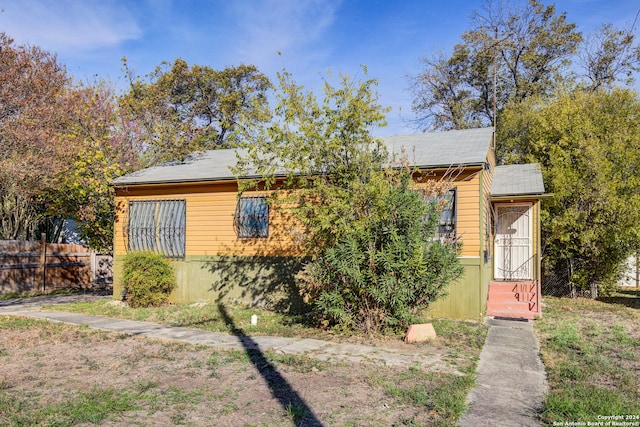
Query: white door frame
point(503, 248)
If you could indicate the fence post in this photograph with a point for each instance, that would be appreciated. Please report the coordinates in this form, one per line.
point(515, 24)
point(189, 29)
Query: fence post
point(43, 259)
point(94, 267)
point(638, 269)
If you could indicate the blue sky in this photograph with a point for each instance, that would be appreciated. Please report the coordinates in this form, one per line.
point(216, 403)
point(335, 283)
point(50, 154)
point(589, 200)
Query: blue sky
point(389, 37)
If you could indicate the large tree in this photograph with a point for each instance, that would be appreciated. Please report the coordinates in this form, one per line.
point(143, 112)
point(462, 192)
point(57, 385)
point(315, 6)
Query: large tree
point(512, 64)
point(61, 144)
point(367, 228)
point(321, 147)
point(610, 56)
point(514, 51)
point(105, 149)
point(180, 109)
point(511, 50)
point(32, 87)
point(588, 144)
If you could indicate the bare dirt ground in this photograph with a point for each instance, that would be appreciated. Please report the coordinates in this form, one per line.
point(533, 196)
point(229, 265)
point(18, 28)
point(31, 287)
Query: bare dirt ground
point(55, 374)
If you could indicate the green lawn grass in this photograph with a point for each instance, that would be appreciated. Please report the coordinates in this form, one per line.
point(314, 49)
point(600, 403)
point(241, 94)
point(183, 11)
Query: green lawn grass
point(137, 390)
point(591, 352)
point(200, 316)
point(455, 334)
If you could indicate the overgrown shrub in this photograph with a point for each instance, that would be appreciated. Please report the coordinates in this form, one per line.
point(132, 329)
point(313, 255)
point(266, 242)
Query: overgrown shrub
point(148, 279)
point(387, 266)
point(368, 232)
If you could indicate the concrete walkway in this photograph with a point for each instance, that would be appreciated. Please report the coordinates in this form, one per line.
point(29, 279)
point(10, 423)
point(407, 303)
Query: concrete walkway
point(318, 349)
point(511, 380)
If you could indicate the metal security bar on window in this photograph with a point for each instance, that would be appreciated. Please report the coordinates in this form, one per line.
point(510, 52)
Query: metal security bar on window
point(142, 226)
point(446, 205)
point(447, 221)
point(158, 226)
point(252, 217)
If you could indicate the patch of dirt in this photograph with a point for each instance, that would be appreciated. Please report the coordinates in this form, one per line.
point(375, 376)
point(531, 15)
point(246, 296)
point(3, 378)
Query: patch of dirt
point(45, 363)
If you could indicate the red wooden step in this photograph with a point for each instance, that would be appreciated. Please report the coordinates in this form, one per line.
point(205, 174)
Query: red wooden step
point(512, 287)
point(512, 296)
point(517, 300)
point(515, 306)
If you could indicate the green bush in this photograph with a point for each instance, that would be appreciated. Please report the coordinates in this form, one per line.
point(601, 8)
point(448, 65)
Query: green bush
point(148, 279)
point(387, 266)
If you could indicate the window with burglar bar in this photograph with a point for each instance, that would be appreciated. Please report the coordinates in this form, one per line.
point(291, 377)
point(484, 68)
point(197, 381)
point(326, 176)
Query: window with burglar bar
point(252, 218)
point(158, 226)
point(447, 222)
point(446, 227)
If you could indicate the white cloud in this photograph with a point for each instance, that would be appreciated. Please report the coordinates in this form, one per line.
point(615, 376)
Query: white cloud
point(67, 26)
point(292, 27)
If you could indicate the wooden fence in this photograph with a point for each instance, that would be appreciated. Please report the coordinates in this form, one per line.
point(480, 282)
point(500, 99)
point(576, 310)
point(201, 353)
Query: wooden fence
point(29, 267)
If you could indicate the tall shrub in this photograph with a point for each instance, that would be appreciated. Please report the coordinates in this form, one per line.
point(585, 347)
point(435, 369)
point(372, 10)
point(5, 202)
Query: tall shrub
point(148, 279)
point(387, 266)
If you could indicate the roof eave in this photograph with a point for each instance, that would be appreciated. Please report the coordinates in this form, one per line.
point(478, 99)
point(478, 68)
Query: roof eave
point(452, 166)
point(234, 178)
point(170, 181)
point(190, 181)
point(527, 196)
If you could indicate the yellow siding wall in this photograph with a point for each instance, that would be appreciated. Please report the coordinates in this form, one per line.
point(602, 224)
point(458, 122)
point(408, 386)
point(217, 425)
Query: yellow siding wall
point(210, 212)
point(485, 215)
point(208, 272)
point(536, 238)
point(467, 185)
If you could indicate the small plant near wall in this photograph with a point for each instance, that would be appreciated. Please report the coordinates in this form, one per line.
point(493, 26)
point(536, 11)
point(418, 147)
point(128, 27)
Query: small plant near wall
point(148, 279)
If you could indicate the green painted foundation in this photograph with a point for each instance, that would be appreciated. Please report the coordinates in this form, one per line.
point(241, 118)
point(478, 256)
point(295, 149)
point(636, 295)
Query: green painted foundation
point(467, 297)
point(270, 281)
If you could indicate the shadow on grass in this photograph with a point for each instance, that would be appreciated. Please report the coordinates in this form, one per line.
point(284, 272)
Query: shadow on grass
point(627, 297)
point(288, 398)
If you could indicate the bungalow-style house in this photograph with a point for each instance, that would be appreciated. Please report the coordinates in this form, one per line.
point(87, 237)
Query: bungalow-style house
point(229, 248)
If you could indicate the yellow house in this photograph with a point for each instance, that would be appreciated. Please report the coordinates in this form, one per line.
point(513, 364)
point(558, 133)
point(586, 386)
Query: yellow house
point(228, 248)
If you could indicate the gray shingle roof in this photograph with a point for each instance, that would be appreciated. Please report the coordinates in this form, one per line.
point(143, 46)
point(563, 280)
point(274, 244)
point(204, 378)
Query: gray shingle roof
point(211, 165)
point(425, 150)
point(443, 149)
point(517, 180)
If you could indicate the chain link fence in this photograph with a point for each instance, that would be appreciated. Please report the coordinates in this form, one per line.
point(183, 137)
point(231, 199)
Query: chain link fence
point(556, 283)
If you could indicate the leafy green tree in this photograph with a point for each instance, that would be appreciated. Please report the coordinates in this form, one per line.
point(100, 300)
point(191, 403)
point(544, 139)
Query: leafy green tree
point(512, 63)
point(517, 51)
point(105, 150)
point(61, 145)
point(180, 109)
point(320, 148)
point(588, 144)
point(386, 267)
point(513, 51)
point(366, 227)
